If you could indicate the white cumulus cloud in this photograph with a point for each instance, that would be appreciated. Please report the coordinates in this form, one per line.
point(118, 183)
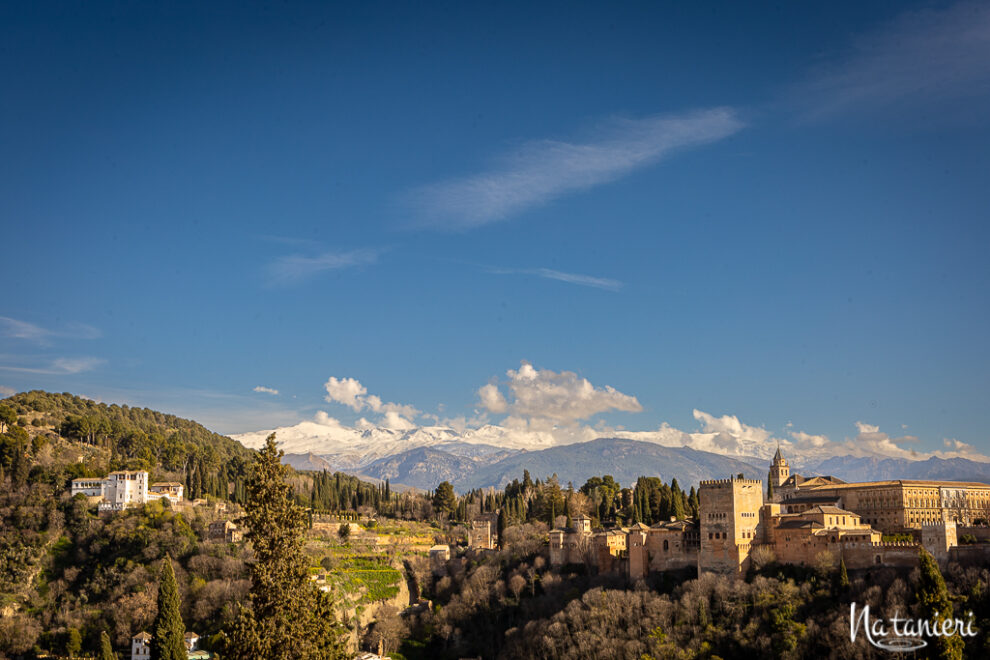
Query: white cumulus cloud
point(492, 399)
point(347, 391)
point(351, 393)
point(564, 397)
point(870, 439)
point(265, 390)
point(808, 441)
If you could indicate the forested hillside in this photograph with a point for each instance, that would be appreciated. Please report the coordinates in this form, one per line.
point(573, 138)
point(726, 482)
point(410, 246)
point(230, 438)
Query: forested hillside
point(110, 437)
point(68, 573)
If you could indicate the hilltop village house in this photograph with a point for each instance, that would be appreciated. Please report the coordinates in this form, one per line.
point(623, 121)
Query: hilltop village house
point(807, 521)
point(123, 489)
point(141, 647)
point(225, 531)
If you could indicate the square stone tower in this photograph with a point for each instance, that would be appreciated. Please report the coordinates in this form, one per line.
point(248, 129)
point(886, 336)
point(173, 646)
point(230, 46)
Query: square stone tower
point(939, 538)
point(730, 524)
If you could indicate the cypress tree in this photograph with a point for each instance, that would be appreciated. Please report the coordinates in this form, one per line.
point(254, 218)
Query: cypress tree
point(842, 578)
point(769, 488)
point(934, 605)
point(289, 619)
point(501, 526)
point(106, 650)
point(677, 503)
point(168, 634)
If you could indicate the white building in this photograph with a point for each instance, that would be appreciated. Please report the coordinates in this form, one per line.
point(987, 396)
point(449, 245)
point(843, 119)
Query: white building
point(88, 487)
point(126, 488)
point(166, 490)
point(141, 646)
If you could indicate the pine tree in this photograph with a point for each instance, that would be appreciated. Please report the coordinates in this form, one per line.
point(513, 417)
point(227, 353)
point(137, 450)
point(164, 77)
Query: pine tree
point(934, 605)
point(444, 500)
point(106, 650)
point(168, 634)
point(289, 619)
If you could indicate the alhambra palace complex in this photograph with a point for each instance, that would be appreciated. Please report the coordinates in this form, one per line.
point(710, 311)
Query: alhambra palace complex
point(806, 521)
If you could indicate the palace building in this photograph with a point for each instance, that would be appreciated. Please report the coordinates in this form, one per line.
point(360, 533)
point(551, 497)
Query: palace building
point(125, 488)
point(892, 506)
point(812, 521)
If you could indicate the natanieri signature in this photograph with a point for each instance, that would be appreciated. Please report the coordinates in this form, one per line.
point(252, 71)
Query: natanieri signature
point(901, 633)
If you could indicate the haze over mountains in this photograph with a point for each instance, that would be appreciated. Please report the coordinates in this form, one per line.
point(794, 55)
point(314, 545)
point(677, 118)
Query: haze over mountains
point(493, 455)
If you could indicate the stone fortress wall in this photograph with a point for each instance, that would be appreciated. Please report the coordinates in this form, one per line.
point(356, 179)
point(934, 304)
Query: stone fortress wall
point(813, 522)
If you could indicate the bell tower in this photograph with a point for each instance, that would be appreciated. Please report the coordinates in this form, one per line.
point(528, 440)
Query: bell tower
point(779, 470)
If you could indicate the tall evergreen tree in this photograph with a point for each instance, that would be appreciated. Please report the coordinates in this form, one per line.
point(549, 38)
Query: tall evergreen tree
point(444, 500)
point(842, 577)
point(934, 605)
point(677, 502)
point(168, 634)
point(693, 502)
point(106, 650)
point(289, 619)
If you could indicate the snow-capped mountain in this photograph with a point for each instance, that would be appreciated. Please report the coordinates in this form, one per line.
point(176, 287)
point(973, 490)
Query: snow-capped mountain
point(351, 447)
point(489, 455)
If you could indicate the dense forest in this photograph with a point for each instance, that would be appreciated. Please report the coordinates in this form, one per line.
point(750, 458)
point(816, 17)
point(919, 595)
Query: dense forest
point(602, 499)
point(511, 604)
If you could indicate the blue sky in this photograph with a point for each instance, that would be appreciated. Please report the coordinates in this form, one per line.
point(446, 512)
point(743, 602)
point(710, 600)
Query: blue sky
point(772, 213)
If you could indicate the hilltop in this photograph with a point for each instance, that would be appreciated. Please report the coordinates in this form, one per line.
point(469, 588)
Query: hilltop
point(89, 438)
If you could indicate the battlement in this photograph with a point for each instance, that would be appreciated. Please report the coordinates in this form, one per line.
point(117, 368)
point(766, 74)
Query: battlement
point(717, 483)
point(894, 544)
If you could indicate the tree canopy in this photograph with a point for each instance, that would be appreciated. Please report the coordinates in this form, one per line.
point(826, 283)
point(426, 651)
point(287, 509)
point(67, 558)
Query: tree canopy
point(168, 633)
point(288, 618)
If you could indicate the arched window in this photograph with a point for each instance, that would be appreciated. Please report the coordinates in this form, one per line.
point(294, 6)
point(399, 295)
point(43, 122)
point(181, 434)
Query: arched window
point(665, 546)
point(877, 560)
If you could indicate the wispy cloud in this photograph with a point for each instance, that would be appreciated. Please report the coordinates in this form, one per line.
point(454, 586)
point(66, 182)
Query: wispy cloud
point(288, 240)
point(921, 58)
point(544, 170)
point(295, 268)
point(571, 278)
point(7, 391)
point(265, 390)
point(59, 366)
point(17, 329)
